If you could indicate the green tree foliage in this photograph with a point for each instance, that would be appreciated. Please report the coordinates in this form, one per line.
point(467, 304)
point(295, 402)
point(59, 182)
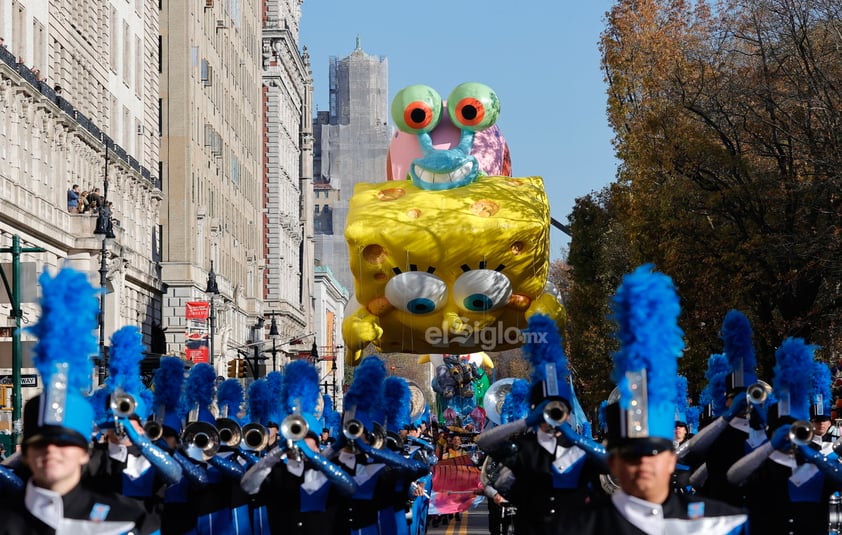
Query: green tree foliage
point(728, 122)
point(598, 259)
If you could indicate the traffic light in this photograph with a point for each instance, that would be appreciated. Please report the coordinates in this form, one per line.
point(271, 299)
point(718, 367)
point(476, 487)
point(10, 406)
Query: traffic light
point(241, 368)
point(232, 368)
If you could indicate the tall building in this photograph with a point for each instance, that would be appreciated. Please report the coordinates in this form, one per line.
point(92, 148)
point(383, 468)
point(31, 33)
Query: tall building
point(79, 100)
point(194, 119)
point(288, 171)
point(234, 90)
point(352, 140)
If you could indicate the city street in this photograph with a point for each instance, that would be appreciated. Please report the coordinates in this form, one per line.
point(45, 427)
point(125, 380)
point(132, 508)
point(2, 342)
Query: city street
point(474, 522)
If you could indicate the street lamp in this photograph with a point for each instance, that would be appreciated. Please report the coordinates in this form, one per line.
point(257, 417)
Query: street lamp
point(274, 334)
point(213, 290)
point(105, 228)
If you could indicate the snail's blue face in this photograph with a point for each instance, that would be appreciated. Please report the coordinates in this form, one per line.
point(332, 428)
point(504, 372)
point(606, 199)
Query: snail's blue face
point(418, 109)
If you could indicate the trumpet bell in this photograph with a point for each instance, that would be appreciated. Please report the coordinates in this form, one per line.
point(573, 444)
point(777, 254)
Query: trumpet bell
point(123, 404)
point(153, 430)
point(353, 429)
point(417, 401)
point(757, 393)
point(255, 437)
point(494, 398)
point(377, 439)
point(801, 433)
point(200, 441)
point(294, 427)
point(555, 413)
point(230, 432)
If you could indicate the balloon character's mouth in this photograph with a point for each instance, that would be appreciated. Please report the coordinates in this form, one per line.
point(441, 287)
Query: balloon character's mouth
point(455, 178)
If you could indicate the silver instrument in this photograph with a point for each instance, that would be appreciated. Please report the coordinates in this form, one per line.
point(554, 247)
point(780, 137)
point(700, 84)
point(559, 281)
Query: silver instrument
point(153, 430)
point(353, 429)
point(494, 398)
point(294, 427)
point(230, 432)
point(200, 441)
point(123, 404)
point(555, 413)
point(417, 401)
point(757, 393)
point(255, 437)
point(801, 433)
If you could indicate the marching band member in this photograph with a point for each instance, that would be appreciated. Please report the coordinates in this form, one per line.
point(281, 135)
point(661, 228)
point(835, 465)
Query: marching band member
point(58, 424)
point(374, 470)
point(127, 462)
point(724, 440)
point(179, 512)
point(787, 480)
point(553, 466)
point(641, 424)
point(301, 488)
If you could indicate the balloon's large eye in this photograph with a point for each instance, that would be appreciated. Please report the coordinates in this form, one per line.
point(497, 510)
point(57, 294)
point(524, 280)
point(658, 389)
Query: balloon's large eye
point(473, 106)
point(480, 290)
point(416, 292)
point(416, 109)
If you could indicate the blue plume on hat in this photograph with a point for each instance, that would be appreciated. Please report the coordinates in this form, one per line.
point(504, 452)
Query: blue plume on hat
point(124, 365)
point(229, 398)
point(543, 346)
point(167, 383)
point(300, 388)
point(260, 401)
point(680, 398)
point(100, 400)
point(793, 375)
point(396, 403)
point(714, 391)
point(62, 354)
point(516, 402)
point(69, 310)
point(275, 382)
point(601, 415)
point(646, 309)
point(364, 394)
point(820, 389)
point(198, 392)
point(145, 400)
point(736, 335)
point(694, 412)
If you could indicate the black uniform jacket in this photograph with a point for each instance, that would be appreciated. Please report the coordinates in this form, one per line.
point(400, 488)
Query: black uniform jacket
point(81, 504)
point(680, 514)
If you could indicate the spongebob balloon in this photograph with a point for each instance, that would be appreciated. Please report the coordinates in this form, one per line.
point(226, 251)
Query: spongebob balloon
point(452, 260)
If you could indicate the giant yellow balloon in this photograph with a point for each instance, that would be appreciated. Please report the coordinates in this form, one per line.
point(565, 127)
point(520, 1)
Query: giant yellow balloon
point(450, 271)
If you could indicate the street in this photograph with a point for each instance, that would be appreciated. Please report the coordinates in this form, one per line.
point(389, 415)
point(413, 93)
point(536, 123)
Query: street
point(474, 522)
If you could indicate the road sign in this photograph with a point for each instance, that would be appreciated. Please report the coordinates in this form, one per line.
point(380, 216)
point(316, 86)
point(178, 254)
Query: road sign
point(29, 380)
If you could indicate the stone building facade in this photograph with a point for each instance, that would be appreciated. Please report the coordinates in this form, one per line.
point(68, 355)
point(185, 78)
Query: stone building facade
point(78, 105)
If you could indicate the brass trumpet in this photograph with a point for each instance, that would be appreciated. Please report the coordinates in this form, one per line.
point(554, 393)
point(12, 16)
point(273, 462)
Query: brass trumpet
point(758, 392)
point(377, 437)
point(294, 427)
point(153, 430)
point(801, 433)
point(230, 432)
point(255, 437)
point(353, 429)
point(555, 413)
point(200, 440)
point(123, 404)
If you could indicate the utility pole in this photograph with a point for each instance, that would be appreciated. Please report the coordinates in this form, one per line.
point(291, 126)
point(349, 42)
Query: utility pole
point(17, 350)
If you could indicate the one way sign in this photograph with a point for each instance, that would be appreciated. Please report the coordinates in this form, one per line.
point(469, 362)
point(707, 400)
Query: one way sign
point(27, 381)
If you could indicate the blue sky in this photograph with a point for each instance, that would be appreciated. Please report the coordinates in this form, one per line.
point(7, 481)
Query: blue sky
point(540, 56)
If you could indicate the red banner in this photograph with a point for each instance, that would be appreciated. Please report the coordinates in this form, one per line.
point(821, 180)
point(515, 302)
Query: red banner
point(196, 332)
point(455, 482)
point(197, 310)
